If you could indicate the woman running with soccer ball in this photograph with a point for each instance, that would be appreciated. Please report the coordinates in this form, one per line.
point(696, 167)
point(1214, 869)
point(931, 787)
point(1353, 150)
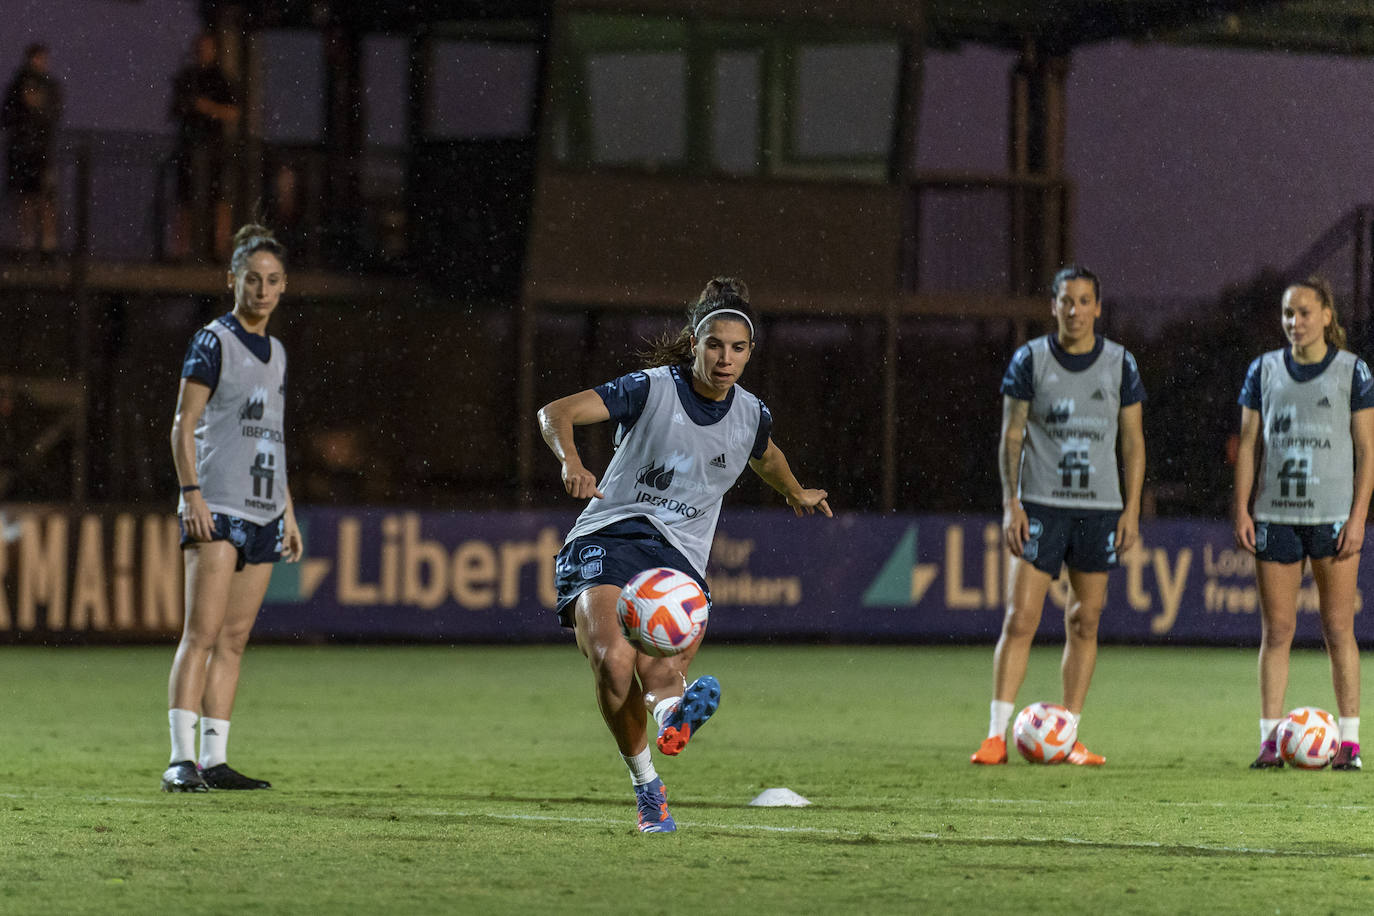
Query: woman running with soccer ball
point(228, 444)
point(685, 431)
point(1307, 431)
point(1068, 399)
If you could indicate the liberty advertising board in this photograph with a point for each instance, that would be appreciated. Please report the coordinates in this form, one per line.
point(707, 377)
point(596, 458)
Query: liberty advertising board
point(488, 577)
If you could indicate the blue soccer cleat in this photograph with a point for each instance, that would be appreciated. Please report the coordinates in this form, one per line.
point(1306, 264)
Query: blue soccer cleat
point(698, 704)
point(652, 799)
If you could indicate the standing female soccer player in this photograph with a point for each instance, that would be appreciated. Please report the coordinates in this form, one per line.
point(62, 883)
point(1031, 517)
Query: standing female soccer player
point(228, 444)
point(1067, 400)
point(685, 432)
point(1308, 404)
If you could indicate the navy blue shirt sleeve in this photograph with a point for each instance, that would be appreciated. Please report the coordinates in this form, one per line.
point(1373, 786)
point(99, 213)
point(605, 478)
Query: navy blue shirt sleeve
point(1019, 382)
point(202, 360)
point(1132, 388)
point(625, 397)
point(1250, 390)
point(765, 430)
point(1361, 388)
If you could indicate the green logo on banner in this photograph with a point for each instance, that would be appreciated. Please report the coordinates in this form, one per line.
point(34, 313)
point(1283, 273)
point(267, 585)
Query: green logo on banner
point(295, 583)
point(902, 582)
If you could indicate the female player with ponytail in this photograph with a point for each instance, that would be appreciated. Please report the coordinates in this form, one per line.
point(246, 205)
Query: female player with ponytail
point(685, 431)
point(1304, 475)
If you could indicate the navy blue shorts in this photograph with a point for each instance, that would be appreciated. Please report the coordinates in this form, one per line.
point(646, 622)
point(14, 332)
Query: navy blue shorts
point(1279, 543)
point(1082, 539)
point(254, 543)
point(613, 556)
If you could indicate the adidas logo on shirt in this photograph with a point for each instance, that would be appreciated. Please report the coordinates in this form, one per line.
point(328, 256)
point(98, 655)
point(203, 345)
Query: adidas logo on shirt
point(718, 461)
point(1098, 395)
point(1324, 402)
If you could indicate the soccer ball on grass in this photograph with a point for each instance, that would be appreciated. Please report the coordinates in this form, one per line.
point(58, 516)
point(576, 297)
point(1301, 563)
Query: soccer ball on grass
point(1309, 738)
point(1044, 733)
point(662, 611)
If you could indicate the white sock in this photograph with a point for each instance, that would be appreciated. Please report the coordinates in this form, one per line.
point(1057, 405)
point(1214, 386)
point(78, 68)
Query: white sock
point(1350, 729)
point(1074, 717)
point(214, 742)
point(665, 707)
point(182, 723)
point(641, 767)
point(1267, 727)
point(999, 718)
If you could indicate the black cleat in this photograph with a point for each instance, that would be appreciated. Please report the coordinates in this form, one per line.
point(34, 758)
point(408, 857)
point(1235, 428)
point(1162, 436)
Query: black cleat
point(222, 776)
point(183, 777)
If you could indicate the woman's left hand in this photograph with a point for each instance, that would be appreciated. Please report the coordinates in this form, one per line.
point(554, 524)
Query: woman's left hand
point(1351, 539)
point(292, 545)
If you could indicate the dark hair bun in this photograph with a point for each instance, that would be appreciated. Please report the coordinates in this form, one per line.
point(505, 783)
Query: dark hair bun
point(252, 231)
point(722, 287)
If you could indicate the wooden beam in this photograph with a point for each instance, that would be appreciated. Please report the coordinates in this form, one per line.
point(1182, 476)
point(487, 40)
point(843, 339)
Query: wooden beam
point(795, 303)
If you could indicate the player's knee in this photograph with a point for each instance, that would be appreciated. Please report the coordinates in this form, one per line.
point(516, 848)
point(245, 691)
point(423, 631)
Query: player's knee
point(1338, 634)
point(1277, 632)
point(612, 663)
point(231, 642)
point(1020, 623)
point(1081, 620)
point(198, 640)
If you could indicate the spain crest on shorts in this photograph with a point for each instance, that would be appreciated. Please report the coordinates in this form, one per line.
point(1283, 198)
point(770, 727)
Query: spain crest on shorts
point(238, 535)
point(590, 558)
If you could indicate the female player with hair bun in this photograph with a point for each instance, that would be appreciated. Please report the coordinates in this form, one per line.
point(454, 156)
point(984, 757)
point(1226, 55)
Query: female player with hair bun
point(685, 431)
point(228, 444)
point(1304, 470)
point(1071, 416)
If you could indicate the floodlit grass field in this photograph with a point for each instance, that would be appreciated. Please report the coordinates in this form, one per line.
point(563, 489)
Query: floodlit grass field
point(476, 780)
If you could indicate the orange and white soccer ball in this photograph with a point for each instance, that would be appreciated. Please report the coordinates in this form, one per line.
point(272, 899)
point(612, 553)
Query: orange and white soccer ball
point(1309, 738)
point(1044, 733)
point(662, 611)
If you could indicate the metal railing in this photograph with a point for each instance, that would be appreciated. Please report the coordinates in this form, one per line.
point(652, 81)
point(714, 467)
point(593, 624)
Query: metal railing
point(116, 198)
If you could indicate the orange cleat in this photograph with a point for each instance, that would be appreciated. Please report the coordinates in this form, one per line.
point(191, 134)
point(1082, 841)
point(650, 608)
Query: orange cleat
point(1081, 756)
point(991, 751)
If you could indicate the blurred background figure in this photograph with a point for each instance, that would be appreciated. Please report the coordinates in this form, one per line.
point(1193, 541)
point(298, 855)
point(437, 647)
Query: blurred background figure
point(205, 106)
point(31, 113)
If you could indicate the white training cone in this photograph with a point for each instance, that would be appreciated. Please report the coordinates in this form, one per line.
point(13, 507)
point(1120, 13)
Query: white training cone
point(779, 798)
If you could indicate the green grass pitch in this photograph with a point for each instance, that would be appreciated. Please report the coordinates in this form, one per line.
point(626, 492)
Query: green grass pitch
point(481, 780)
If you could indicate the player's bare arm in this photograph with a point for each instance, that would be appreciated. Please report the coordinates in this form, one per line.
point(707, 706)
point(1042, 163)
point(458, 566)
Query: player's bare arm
point(1015, 526)
point(1247, 454)
point(773, 469)
point(1351, 538)
point(191, 400)
point(1132, 444)
point(556, 422)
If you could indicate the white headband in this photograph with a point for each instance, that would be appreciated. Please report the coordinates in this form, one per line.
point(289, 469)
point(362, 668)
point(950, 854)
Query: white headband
point(709, 315)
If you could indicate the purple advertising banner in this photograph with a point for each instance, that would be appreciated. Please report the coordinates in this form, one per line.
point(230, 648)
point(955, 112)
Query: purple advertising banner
point(488, 576)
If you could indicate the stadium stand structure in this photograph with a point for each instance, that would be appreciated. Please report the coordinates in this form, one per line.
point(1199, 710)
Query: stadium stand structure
point(635, 148)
